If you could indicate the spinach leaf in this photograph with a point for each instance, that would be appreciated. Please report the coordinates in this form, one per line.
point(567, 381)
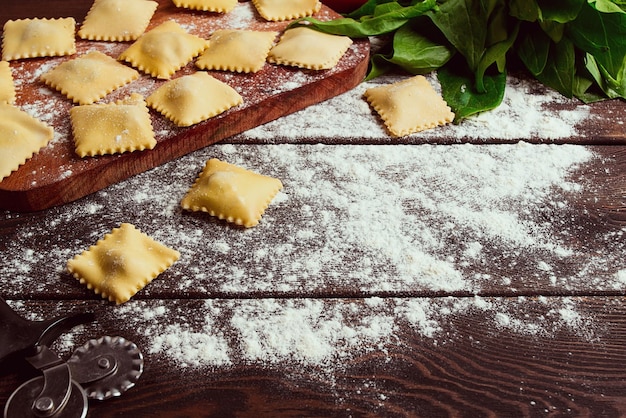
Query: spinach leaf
point(414, 52)
point(533, 50)
point(478, 29)
point(463, 23)
point(387, 17)
point(560, 69)
point(495, 53)
point(602, 35)
point(457, 89)
point(561, 11)
point(525, 10)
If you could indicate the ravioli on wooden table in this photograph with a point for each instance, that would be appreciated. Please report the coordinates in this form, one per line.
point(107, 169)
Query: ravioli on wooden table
point(122, 263)
point(231, 193)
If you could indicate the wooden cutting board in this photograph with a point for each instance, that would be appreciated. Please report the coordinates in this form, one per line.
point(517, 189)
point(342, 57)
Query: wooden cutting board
point(56, 175)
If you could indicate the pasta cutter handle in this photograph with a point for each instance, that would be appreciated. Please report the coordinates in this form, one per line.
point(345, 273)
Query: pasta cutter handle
point(19, 335)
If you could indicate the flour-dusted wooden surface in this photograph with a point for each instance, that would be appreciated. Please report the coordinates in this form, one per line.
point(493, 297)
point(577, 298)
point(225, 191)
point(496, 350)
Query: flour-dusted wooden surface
point(390, 277)
point(56, 175)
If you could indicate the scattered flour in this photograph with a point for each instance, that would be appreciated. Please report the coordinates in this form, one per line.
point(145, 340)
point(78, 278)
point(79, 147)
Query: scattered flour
point(521, 115)
point(372, 221)
point(366, 220)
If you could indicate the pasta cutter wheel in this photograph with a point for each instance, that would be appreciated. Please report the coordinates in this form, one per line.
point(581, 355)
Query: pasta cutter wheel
point(100, 369)
point(106, 367)
point(25, 402)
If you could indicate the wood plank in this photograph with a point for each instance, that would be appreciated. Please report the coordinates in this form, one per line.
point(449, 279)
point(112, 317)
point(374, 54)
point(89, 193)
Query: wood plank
point(529, 112)
point(487, 357)
point(56, 175)
point(354, 221)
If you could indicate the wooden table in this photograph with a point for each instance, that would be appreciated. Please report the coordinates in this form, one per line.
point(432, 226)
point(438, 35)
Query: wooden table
point(388, 278)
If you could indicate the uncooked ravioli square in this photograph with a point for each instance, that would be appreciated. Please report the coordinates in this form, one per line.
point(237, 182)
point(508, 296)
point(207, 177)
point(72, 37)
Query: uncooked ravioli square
point(21, 136)
point(409, 106)
point(117, 20)
point(122, 263)
point(89, 78)
point(307, 48)
point(162, 51)
point(243, 51)
point(231, 193)
point(218, 6)
point(123, 126)
point(193, 98)
point(30, 38)
point(277, 10)
point(7, 88)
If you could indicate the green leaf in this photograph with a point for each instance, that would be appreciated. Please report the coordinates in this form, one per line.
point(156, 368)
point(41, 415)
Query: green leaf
point(612, 87)
point(561, 11)
point(457, 89)
point(553, 29)
point(415, 53)
point(494, 53)
point(526, 10)
point(463, 23)
point(387, 18)
point(559, 72)
point(533, 50)
point(602, 35)
point(608, 6)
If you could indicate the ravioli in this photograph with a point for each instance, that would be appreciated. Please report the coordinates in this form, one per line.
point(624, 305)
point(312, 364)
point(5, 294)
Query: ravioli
point(231, 193)
point(21, 136)
point(278, 10)
point(7, 88)
point(163, 50)
point(89, 78)
point(307, 48)
point(242, 51)
point(123, 126)
point(117, 20)
point(31, 38)
point(122, 263)
point(409, 106)
point(191, 99)
point(217, 6)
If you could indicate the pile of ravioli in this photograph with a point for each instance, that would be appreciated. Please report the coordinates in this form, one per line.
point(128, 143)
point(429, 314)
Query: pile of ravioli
point(100, 127)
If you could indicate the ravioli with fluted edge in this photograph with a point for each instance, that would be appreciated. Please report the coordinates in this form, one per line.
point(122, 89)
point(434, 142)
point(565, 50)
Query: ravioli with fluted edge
point(7, 87)
point(278, 10)
point(307, 48)
point(111, 128)
point(191, 99)
point(89, 78)
point(242, 51)
point(122, 263)
point(31, 38)
point(217, 6)
point(21, 136)
point(409, 106)
point(231, 193)
point(162, 51)
point(117, 20)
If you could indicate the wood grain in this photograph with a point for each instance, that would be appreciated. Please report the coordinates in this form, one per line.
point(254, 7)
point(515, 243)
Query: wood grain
point(470, 369)
point(56, 175)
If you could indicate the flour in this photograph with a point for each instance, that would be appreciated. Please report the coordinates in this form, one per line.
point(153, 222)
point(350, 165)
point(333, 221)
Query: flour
point(366, 220)
point(521, 115)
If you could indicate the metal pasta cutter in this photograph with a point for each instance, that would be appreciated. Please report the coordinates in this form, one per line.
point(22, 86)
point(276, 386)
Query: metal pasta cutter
point(100, 369)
